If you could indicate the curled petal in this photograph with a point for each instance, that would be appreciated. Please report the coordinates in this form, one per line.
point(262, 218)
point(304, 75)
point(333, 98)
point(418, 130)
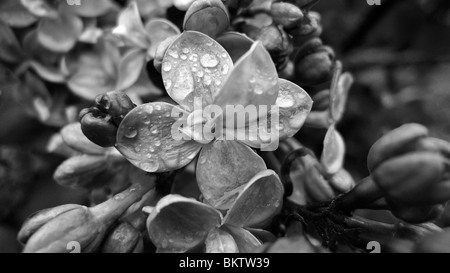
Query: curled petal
point(60, 34)
point(178, 224)
point(238, 164)
point(219, 241)
point(258, 202)
point(235, 43)
point(159, 30)
point(213, 12)
point(254, 81)
point(194, 69)
point(245, 241)
point(333, 151)
point(146, 139)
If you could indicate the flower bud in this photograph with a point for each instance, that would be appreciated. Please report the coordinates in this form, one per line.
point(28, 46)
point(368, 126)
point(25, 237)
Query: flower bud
point(438, 242)
point(275, 40)
point(123, 239)
point(207, 16)
point(40, 218)
point(115, 104)
point(286, 14)
point(316, 68)
point(79, 171)
point(406, 178)
point(395, 143)
point(98, 127)
point(85, 226)
point(309, 28)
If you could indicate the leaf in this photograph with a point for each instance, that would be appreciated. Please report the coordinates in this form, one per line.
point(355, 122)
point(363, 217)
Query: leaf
point(74, 138)
point(178, 224)
point(89, 8)
point(41, 8)
point(258, 202)
point(333, 151)
point(194, 69)
point(146, 137)
point(79, 171)
point(15, 14)
point(159, 30)
point(213, 12)
point(130, 27)
point(60, 34)
point(238, 164)
point(235, 43)
point(254, 81)
point(245, 241)
point(11, 50)
point(219, 241)
point(130, 68)
point(88, 84)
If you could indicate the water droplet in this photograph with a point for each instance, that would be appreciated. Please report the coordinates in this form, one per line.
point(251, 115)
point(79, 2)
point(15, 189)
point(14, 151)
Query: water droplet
point(132, 189)
point(183, 57)
point(166, 66)
point(209, 60)
point(225, 69)
point(173, 54)
point(132, 133)
point(185, 50)
point(285, 101)
point(224, 55)
point(209, 43)
point(158, 107)
point(157, 143)
point(207, 80)
point(137, 149)
point(194, 69)
point(200, 74)
point(258, 90)
point(119, 196)
point(218, 82)
point(154, 130)
point(202, 159)
point(147, 122)
point(168, 84)
point(150, 166)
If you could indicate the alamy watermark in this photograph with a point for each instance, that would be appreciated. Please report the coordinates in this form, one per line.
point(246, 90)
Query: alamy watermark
point(374, 2)
point(74, 2)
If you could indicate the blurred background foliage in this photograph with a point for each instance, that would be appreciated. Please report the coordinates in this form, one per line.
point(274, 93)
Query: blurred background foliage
point(399, 53)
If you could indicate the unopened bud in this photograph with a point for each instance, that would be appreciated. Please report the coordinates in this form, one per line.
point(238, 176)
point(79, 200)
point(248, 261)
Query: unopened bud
point(316, 68)
point(286, 14)
point(115, 104)
point(98, 127)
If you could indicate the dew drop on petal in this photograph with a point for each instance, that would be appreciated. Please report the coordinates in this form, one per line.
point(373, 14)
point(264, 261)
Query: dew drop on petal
point(285, 101)
point(166, 66)
point(185, 50)
point(258, 90)
point(200, 74)
point(225, 69)
point(218, 82)
point(167, 84)
point(209, 61)
point(157, 143)
point(183, 57)
point(131, 133)
point(150, 166)
point(207, 80)
point(173, 54)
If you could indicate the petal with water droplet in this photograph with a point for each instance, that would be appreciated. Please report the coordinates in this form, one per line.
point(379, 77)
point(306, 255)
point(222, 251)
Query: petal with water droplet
point(258, 202)
point(195, 51)
point(213, 12)
point(159, 30)
point(235, 43)
point(254, 81)
point(238, 164)
point(333, 151)
point(220, 241)
point(178, 224)
point(145, 137)
point(245, 240)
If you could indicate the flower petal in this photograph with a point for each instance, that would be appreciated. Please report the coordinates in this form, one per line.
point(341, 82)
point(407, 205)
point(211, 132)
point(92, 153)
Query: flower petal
point(235, 43)
point(245, 241)
point(254, 81)
point(340, 89)
point(90, 83)
point(333, 151)
point(219, 241)
point(146, 139)
point(75, 139)
point(212, 11)
point(130, 68)
point(60, 34)
point(91, 8)
point(11, 50)
point(258, 202)
point(194, 69)
point(159, 30)
point(238, 164)
point(15, 14)
point(131, 28)
point(40, 8)
point(294, 106)
point(179, 224)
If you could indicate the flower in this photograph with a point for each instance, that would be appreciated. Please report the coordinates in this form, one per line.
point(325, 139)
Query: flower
point(197, 70)
point(179, 224)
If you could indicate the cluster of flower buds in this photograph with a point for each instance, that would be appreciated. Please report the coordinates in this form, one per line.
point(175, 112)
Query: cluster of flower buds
point(100, 123)
point(409, 175)
point(58, 229)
